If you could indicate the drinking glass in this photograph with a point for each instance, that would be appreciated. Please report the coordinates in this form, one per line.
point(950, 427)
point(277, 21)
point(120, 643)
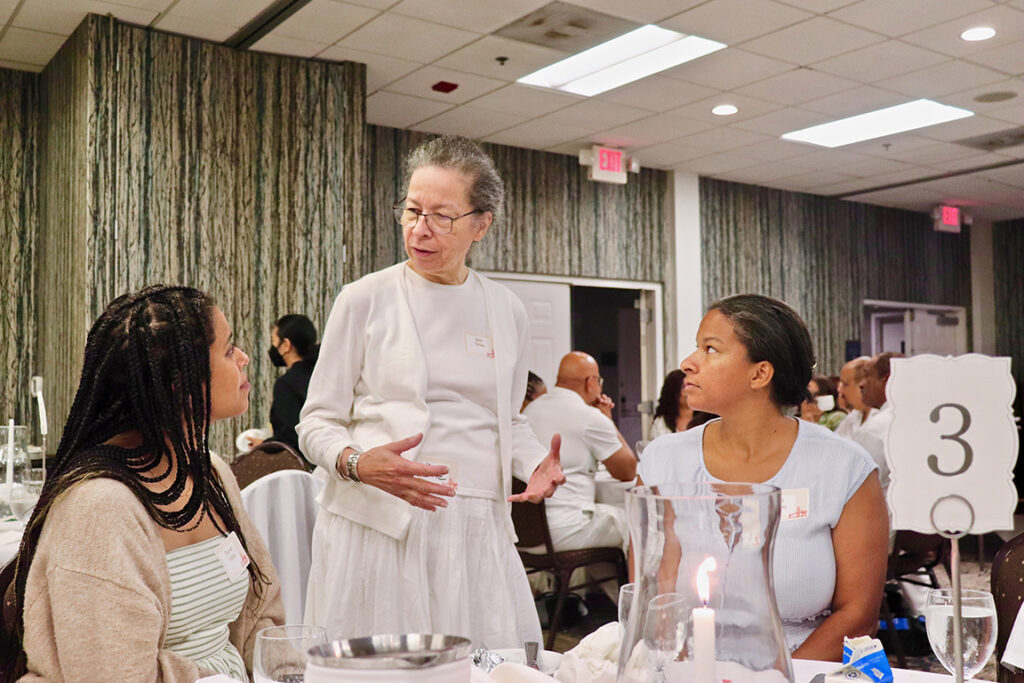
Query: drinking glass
point(625, 603)
point(665, 630)
point(978, 620)
point(279, 655)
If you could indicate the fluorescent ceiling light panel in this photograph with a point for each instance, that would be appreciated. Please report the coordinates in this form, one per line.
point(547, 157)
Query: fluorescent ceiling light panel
point(876, 124)
point(632, 56)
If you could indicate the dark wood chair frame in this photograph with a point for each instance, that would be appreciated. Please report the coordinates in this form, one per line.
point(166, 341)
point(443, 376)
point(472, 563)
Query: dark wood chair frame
point(269, 456)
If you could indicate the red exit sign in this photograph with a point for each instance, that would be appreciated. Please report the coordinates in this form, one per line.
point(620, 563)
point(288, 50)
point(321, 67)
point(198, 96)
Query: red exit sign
point(608, 165)
point(947, 218)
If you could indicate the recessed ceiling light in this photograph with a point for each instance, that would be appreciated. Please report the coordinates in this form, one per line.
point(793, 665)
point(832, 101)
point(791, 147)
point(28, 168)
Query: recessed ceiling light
point(978, 33)
point(630, 57)
point(876, 124)
point(724, 110)
point(995, 96)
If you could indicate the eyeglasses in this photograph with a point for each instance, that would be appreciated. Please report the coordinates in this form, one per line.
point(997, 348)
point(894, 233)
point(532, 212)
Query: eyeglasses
point(600, 380)
point(438, 223)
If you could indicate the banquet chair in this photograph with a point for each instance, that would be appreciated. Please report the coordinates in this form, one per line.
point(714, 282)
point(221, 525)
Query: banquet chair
point(282, 506)
point(269, 456)
point(538, 555)
point(1008, 592)
point(915, 556)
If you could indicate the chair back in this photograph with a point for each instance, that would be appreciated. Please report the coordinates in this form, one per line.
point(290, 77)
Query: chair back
point(531, 522)
point(282, 505)
point(1008, 592)
point(269, 456)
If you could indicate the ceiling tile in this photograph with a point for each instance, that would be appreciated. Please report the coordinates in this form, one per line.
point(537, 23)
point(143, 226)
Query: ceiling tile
point(521, 99)
point(912, 198)
point(966, 163)
point(936, 152)
point(667, 155)
point(725, 138)
point(879, 15)
point(20, 66)
point(775, 150)
point(763, 174)
point(380, 70)
point(400, 111)
point(1005, 58)
point(965, 98)
point(596, 115)
point(155, 5)
point(236, 13)
point(407, 38)
point(945, 37)
point(470, 86)
point(7, 8)
point(64, 16)
point(941, 79)
point(819, 6)
point(376, 4)
point(196, 28)
point(479, 57)
point(870, 168)
point(809, 181)
point(734, 21)
point(657, 94)
point(796, 86)
point(748, 107)
point(470, 122)
point(538, 134)
point(647, 12)
point(855, 101)
point(727, 69)
point(882, 60)
point(890, 146)
point(1012, 114)
point(481, 16)
point(30, 47)
point(281, 45)
point(966, 190)
point(812, 41)
point(714, 164)
point(963, 128)
point(655, 129)
point(782, 121)
point(820, 158)
point(325, 21)
point(1008, 175)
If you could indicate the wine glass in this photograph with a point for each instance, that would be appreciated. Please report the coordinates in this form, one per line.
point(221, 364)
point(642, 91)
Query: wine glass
point(626, 592)
point(279, 655)
point(665, 630)
point(978, 620)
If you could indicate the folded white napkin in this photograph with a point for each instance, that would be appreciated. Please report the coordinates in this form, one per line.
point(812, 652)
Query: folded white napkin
point(508, 672)
point(1013, 656)
point(594, 660)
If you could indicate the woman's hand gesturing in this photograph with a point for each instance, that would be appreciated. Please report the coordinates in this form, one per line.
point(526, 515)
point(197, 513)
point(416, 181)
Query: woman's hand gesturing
point(545, 479)
point(385, 468)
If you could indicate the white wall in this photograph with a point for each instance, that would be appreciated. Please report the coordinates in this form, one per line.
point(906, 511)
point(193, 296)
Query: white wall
point(983, 304)
point(689, 307)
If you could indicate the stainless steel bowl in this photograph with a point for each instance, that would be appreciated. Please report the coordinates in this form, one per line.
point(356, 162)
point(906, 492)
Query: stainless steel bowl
point(408, 651)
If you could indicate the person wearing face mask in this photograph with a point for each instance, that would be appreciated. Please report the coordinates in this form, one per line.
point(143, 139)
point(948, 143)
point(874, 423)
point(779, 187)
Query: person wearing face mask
point(292, 346)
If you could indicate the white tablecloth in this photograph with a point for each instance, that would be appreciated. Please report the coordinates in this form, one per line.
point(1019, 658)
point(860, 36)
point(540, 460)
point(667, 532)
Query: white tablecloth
point(804, 670)
point(610, 490)
point(10, 539)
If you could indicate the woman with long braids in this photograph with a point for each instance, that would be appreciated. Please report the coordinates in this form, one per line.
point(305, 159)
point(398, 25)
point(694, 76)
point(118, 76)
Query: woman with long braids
point(139, 563)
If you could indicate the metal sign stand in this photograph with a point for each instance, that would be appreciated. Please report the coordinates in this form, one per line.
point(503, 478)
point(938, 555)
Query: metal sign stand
point(954, 564)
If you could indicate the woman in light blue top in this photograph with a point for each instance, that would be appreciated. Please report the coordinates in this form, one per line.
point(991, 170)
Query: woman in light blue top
point(754, 358)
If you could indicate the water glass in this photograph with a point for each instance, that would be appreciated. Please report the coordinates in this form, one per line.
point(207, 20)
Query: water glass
point(978, 621)
point(279, 655)
point(665, 630)
point(626, 591)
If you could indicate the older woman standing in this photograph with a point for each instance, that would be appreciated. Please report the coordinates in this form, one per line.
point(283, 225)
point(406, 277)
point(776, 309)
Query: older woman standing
point(413, 409)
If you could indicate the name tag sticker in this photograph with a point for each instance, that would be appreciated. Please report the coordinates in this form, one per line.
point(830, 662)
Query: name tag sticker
point(232, 556)
point(445, 479)
point(796, 504)
point(479, 345)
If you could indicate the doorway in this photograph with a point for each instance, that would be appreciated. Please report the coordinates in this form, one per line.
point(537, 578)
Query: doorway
point(616, 322)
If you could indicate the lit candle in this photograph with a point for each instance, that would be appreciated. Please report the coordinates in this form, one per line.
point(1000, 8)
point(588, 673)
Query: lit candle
point(704, 627)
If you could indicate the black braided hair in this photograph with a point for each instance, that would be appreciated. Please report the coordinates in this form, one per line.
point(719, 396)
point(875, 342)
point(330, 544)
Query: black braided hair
point(146, 371)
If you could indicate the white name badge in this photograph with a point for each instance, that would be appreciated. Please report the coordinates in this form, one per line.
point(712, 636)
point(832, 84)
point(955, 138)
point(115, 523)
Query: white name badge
point(952, 444)
point(445, 479)
point(232, 556)
point(479, 345)
point(796, 504)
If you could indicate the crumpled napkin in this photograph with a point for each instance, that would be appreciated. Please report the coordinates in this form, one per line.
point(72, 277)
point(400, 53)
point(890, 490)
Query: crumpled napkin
point(510, 672)
point(594, 660)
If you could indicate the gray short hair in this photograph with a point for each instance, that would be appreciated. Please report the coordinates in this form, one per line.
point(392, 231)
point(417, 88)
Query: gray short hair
point(487, 191)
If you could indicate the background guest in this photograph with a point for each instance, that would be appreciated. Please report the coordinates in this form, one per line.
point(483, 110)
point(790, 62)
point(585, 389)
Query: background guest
point(421, 376)
point(875, 428)
point(753, 357)
point(135, 509)
point(826, 411)
point(535, 388)
point(292, 346)
point(673, 413)
point(849, 391)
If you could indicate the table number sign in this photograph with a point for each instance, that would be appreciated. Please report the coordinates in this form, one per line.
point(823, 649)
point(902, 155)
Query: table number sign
point(953, 444)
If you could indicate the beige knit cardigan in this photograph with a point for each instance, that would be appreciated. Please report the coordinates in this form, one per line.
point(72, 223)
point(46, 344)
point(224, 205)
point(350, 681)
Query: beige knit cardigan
point(98, 593)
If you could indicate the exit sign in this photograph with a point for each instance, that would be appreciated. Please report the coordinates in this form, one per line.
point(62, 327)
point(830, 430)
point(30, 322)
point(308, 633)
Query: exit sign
point(947, 218)
point(608, 165)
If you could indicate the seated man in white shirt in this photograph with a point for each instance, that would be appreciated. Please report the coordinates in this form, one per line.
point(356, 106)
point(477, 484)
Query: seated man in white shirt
point(849, 391)
point(576, 409)
point(875, 430)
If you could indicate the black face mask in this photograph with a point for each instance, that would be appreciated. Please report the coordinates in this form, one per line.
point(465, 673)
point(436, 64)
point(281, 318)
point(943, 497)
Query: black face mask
point(275, 357)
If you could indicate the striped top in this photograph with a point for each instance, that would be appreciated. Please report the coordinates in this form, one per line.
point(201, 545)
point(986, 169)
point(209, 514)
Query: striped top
point(203, 602)
point(823, 471)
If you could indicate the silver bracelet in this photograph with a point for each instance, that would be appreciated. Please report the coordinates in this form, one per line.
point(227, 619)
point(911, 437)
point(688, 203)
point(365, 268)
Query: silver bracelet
point(353, 462)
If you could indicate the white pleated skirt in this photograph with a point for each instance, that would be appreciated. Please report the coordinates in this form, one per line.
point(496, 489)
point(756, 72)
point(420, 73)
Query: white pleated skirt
point(456, 572)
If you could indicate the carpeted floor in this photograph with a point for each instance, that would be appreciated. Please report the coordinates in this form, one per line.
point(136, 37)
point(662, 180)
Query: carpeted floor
point(600, 610)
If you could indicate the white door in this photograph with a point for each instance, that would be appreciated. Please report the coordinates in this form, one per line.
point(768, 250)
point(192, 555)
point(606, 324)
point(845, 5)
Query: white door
point(941, 332)
point(547, 305)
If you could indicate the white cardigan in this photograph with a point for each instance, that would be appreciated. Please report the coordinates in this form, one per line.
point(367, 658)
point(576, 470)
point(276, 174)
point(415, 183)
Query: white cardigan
point(369, 388)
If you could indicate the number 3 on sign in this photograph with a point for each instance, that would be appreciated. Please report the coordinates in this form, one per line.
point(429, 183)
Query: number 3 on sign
point(952, 434)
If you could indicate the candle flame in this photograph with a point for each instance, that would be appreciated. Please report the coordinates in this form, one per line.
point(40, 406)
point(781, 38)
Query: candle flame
point(703, 582)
